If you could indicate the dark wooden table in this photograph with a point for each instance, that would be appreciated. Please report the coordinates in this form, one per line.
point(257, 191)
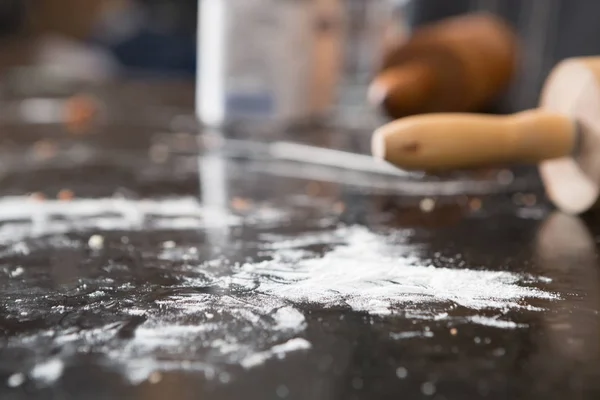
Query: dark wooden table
point(137, 273)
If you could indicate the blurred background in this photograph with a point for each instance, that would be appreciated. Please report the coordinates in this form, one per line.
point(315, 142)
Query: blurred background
point(101, 38)
point(156, 39)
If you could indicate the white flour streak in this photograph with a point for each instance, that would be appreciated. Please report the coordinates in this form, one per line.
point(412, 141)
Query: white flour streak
point(230, 332)
point(409, 335)
point(13, 208)
point(226, 332)
point(278, 243)
point(15, 380)
point(278, 351)
point(29, 218)
point(288, 318)
point(48, 371)
point(24, 217)
point(495, 322)
point(17, 272)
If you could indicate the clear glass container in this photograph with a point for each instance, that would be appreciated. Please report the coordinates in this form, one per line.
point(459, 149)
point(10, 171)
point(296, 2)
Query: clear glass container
point(280, 63)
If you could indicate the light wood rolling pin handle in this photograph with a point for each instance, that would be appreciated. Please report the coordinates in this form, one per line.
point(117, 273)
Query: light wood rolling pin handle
point(442, 142)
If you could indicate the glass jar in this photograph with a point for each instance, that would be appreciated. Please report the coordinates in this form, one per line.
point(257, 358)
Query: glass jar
point(280, 63)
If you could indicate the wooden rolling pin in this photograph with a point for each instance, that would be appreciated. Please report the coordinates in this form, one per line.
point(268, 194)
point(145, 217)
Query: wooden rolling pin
point(455, 65)
point(562, 136)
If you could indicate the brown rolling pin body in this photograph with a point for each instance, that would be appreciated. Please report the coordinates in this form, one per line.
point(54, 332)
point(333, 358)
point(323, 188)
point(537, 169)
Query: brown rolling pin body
point(455, 65)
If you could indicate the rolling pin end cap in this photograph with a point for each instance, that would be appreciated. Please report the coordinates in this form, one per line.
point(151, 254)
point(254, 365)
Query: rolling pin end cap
point(568, 186)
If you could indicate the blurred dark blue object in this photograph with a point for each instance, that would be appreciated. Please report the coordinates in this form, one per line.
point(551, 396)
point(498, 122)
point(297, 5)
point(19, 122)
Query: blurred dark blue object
point(152, 53)
point(161, 40)
point(146, 37)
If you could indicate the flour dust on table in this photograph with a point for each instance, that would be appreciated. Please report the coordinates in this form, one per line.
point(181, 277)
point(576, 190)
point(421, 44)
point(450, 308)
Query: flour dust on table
point(183, 299)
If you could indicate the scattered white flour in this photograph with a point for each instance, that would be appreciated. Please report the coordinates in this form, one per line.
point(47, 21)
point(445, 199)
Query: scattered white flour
point(48, 371)
point(15, 380)
point(221, 315)
point(361, 274)
point(96, 242)
point(401, 372)
point(278, 351)
point(288, 318)
point(169, 244)
point(428, 388)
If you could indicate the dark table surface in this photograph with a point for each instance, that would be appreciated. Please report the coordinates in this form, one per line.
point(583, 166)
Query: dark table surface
point(182, 277)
